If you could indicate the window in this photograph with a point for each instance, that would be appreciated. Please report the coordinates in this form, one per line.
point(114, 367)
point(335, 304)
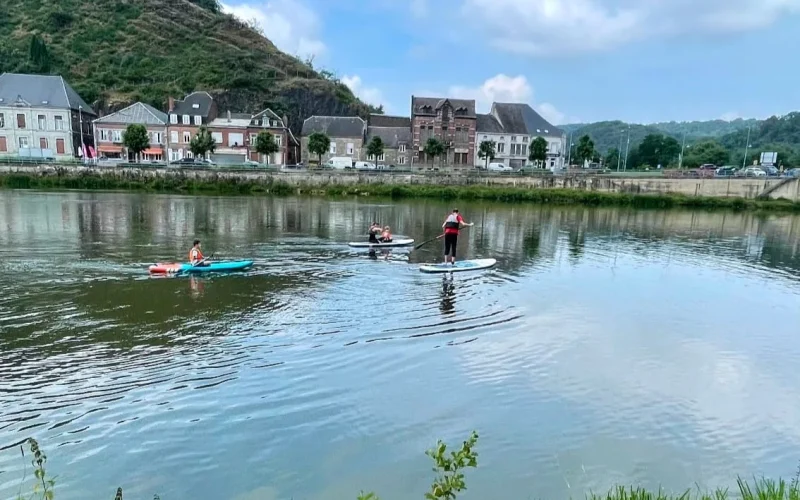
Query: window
point(187, 137)
point(20, 121)
point(381, 157)
point(462, 134)
point(42, 122)
point(23, 142)
point(186, 120)
point(253, 139)
point(401, 160)
point(198, 120)
point(235, 140)
point(173, 137)
point(42, 143)
point(333, 148)
point(513, 139)
point(217, 136)
point(501, 147)
point(350, 148)
point(59, 121)
point(156, 138)
point(402, 148)
point(104, 135)
point(524, 150)
point(60, 149)
point(117, 135)
point(2, 120)
point(460, 158)
point(485, 137)
point(525, 140)
point(278, 140)
point(173, 119)
point(3, 145)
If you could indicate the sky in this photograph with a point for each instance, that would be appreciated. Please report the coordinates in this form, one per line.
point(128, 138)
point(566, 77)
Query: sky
point(639, 61)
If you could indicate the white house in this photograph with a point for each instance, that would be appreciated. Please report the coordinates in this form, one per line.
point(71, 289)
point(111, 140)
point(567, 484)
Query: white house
point(42, 116)
point(512, 127)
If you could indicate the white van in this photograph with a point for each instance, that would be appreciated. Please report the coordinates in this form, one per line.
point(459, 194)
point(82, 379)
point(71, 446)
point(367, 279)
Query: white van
point(340, 162)
point(499, 167)
point(365, 165)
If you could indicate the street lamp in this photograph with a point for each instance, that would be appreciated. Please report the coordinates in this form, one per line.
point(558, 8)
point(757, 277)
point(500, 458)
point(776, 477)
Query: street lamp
point(746, 147)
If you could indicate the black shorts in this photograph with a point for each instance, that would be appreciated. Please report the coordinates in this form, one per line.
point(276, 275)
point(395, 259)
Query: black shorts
point(450, 242)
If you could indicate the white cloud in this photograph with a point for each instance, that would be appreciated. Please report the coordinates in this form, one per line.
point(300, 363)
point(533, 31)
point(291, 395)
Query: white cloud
point(553, 27)
point(504, 88)
point(370, 95)
point(290, 25)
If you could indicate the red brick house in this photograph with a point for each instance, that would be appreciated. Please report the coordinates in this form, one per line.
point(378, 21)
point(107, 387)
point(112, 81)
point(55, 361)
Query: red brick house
point(452, 121)
point(270, 122)
point(185, 119)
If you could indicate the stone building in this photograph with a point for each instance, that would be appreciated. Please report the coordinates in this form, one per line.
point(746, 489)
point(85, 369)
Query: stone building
point(395, 132)
point(346, 133)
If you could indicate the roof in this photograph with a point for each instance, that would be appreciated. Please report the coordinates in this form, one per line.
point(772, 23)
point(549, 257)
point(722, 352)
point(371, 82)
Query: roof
point(434, 103)
point(136, 113)
point(334, 126)
point(392, 137)
point(389, 121)
point(488, 124)
point(47, 91)
point(234, 122)
point(516, 118)
point(202, 101)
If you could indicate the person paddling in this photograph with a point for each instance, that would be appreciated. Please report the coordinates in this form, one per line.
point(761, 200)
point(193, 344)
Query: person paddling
point(196, 255)
point(374, 231)
point(452, 224)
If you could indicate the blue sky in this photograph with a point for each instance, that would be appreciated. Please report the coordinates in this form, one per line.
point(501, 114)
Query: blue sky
point(573, 60)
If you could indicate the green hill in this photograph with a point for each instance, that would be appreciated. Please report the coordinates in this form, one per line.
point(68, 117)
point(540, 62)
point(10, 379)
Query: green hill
point(118, 51)
point(704, 129)
point(607, 135)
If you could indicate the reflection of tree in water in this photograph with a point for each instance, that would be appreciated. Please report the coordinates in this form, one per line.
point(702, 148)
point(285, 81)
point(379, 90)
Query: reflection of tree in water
point(530, 244)
point(577, 241)
point(448, 296)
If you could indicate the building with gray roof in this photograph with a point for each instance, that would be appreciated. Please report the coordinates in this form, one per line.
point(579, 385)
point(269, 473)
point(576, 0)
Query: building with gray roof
point(395, 133)
point(42, 115)
point(346, 133)
point(109, 131)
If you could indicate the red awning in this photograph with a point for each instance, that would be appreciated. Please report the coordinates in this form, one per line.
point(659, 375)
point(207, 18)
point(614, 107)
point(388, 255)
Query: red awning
point(109, 149)
point(153, 151)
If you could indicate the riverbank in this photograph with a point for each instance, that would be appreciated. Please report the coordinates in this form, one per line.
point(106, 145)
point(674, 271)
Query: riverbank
point(575, 192)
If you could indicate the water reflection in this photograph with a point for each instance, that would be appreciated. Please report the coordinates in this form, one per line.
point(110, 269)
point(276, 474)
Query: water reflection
point(603, 340)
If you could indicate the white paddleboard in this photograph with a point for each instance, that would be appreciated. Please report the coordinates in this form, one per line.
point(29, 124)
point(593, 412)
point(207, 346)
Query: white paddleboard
point(460, 265)
point(393, 243)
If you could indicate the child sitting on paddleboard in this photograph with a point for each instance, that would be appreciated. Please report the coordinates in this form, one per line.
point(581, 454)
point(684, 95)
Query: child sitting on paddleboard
point(386, 237)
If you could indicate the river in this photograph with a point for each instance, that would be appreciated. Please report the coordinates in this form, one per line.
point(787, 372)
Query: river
point(607, 346)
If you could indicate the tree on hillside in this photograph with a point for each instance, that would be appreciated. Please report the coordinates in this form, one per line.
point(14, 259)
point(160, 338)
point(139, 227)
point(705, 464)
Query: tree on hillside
point(705, 152)
point(537, 153)
point(136, 139)
point(585, 149)
point(39, 55)
point(266, 145)
point(212, 5)
point(658, 149)
point(486, 152)
point(434, 148)
point(375, 148)
point(202, 143)
point(319, 144)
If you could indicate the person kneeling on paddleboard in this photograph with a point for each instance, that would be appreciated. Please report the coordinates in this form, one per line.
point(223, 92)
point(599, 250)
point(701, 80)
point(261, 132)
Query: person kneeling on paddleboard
point(374, 231)
point(452, 224)
point(196, 256)
point(386, 236)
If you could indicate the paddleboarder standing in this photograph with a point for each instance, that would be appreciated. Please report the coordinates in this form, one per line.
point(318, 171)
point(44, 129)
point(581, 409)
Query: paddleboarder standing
point(452, 225)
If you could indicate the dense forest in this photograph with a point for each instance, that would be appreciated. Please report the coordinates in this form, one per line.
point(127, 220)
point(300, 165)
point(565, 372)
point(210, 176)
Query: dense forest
point(118, 51)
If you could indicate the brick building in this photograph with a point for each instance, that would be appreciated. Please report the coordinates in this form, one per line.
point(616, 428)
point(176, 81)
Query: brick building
point(453, 122)
point(185, 119)
point(269, 121)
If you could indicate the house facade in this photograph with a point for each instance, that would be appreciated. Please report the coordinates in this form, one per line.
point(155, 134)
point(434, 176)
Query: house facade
point(185, 119)
point(109, 129)
point(453, 122)
point(268, 121)
point(42, 116)
point(346, 133)
point(512, 127)
point(395, 132)
point(229, 131)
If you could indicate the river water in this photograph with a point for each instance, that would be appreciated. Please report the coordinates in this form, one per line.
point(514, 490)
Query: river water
point(607, 346)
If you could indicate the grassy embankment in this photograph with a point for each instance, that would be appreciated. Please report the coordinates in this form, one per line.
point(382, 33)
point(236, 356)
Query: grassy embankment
point(187, 185)
point(450, 467)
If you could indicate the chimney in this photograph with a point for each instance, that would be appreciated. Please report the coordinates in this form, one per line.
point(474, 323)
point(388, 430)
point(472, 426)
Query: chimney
point(170, 104)
point(285, 121)
point(229, 116)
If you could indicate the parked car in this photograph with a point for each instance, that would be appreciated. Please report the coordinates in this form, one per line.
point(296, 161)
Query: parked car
point(771, 171)
point(725, 172)
point(365, 165)
point(751, 172)
point(251, 163)
point(340, 162)
point(708, 166)
point(794, 172)
point(499, 167)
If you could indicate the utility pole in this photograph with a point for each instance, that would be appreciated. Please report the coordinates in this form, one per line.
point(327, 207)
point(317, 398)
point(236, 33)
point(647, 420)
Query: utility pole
point(619, 149)
point(627, 150)
point(683, 146)
point(746, 146)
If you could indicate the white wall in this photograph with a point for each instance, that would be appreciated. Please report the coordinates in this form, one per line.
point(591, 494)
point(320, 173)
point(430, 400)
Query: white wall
point(32, 131)
point(555, 146)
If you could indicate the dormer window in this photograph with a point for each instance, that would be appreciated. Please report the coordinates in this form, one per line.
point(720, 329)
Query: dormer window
point(198, 120)
point(195, 106)
point(173, 119)
point(186, 119)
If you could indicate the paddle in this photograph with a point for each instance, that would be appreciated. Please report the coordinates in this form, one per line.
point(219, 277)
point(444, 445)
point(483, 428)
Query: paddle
point(200, 262)
point(440, 236)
